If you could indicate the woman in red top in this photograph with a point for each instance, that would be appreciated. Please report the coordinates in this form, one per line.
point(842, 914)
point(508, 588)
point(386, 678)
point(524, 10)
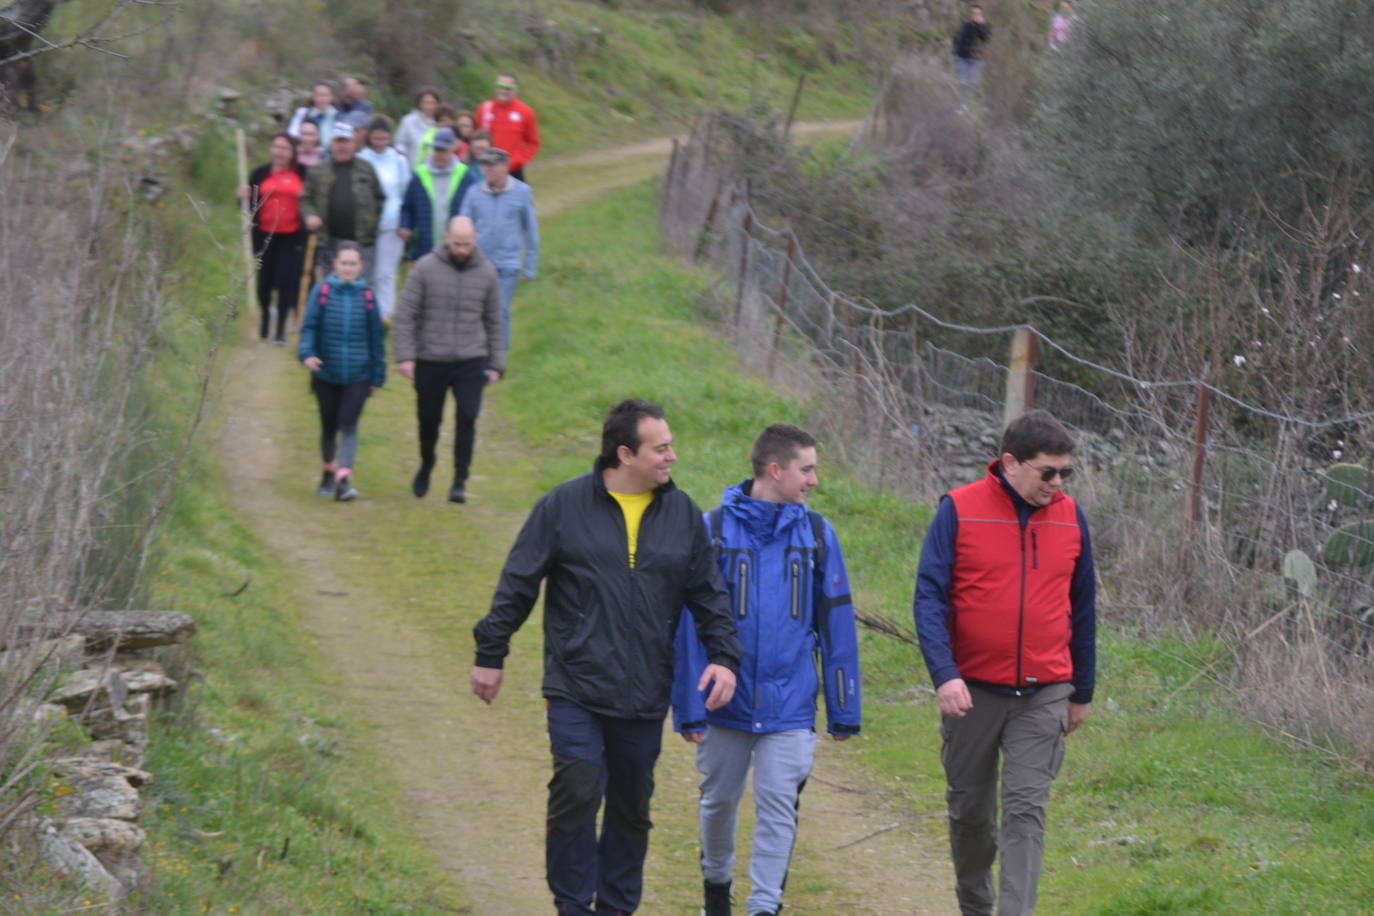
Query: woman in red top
point(274, 192)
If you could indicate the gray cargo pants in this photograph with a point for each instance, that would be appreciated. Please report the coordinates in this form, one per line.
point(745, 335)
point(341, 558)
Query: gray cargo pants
point(1028, 733)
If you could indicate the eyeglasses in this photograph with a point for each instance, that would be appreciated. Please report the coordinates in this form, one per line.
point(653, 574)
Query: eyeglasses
point(1048, 474)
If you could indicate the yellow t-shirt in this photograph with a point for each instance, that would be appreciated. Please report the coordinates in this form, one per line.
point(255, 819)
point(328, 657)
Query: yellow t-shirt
point(633, 505)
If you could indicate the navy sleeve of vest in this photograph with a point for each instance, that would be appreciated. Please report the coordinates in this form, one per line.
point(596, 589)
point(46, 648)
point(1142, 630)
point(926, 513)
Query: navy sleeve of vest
point(1083, 622)
point(931, 605)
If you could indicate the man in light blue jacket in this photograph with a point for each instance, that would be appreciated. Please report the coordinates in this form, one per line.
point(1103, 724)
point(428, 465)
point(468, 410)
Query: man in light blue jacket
point(790, 596)
point(502, 207)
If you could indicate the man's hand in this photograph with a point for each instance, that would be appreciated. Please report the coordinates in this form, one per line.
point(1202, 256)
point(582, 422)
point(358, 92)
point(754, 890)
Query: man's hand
point(313, 363)
point(724, 687)
point(1077, 713)
point(407, 369)
point(405, 234)
point(486, 683)
point(954, 698)
point(493, 376)
point(693, 737)
point(313, 223)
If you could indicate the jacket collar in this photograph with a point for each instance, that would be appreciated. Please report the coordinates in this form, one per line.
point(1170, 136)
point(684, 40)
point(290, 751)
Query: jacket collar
point(333, 282)
point(476, 259)
point(763, 520)
point(599, 483)
point(1022, 507)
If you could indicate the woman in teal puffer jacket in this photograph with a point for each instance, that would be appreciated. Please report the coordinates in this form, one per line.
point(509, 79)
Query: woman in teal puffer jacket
point(343, 344)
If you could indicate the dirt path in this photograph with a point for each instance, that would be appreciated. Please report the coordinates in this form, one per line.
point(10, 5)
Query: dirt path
point(389, 588)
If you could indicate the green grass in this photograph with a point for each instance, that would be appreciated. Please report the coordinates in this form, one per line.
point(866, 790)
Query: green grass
point(266, 799)
point(1168, 803)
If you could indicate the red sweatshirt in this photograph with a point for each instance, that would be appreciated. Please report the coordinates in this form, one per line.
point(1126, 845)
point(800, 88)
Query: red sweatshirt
point(513, 128)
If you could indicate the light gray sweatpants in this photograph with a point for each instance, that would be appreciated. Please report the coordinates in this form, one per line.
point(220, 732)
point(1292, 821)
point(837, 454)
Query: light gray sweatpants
point(782, 762)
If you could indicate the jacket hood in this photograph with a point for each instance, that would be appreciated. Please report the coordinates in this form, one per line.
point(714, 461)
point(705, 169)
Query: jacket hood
point(763, 520)
point(476, 259)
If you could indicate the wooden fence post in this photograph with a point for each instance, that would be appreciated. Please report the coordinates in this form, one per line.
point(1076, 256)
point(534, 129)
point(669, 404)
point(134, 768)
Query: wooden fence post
point(744, 243)
point(250, 260)
point(1020, 375)
point(1204, 410)
point(782, 300)
point(704, 239)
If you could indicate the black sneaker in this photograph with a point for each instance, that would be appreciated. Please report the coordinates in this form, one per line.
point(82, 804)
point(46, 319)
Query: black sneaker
point(419, 485)
point(326, 484)
point(344, 491)
point(716, 899)
point(457, 494)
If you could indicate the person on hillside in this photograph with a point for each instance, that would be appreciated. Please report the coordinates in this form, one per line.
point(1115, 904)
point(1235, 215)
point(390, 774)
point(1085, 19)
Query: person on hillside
point(511, 123)
point(358, 122)
point(1005, 610)
point(478, 143)
point(353, 98)
point(343, 344)
point(320, 112)
point(274, 193)
point(393, 171)
point(433, 196)
point(790, 593)
point(444, 116)
point(343, 199)
point(449, 338)
point(973, 35)
point(1060, 25)
point(502, 206)
point(417, 123)
point(308, 149)
point(620, 552)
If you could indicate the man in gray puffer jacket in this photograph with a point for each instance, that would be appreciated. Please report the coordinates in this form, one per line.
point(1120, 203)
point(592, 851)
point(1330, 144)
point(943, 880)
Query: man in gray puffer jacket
point(449, 335)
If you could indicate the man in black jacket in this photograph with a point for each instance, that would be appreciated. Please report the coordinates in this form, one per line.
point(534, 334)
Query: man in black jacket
point(974, 32)
point(622, 550)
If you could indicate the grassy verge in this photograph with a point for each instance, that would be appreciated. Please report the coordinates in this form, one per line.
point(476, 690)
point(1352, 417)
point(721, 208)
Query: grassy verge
point(264, 800)
point(1167, 803)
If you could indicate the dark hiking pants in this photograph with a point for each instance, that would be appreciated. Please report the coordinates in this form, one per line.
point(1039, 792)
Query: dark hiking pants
point(433, 382)
point(597, 756)
point(282, 260)
point(340, 408)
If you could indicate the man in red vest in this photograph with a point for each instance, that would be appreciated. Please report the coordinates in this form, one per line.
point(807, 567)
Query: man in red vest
point(1006, 613)
point(511, 123)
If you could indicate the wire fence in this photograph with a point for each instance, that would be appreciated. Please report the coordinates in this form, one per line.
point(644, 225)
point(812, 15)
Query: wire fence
point(1209, 514)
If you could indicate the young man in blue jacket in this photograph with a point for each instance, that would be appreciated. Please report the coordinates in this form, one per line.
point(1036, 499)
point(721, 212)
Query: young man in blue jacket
point(789, 595)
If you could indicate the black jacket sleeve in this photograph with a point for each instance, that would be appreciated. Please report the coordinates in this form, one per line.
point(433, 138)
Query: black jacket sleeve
point(709, 602)
point(526, 566)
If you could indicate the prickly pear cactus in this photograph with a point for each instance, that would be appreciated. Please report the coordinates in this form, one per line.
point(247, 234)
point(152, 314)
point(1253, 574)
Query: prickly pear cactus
point(1349, 484)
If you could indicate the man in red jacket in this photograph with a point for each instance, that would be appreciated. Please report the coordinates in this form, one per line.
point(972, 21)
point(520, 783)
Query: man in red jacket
point(511, 123)
point(1006, 614)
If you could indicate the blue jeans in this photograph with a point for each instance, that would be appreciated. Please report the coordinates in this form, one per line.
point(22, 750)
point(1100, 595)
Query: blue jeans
point(508, 279)
point(596, 756)
point(970, 75)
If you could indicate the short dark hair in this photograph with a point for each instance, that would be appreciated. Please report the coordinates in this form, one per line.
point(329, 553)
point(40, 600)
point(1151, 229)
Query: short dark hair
point(509, 74)
point(779, 442)
point(622, 428)
point(480, 133)
point(1034, 433)
point(346, 245)
point(428, 90)
point(378, 122)
point(445, 111)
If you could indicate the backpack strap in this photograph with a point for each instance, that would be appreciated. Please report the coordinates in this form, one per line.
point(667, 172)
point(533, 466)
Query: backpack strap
point(324, 294)
point(713, 520)
point(367, 298)
point(818, 532)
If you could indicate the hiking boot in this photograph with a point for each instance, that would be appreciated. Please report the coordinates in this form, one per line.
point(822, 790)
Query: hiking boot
point(420, 484)
point(344, 491)
point(715, 899)
point(279, 341)
point(326, 484)
point(457, 494)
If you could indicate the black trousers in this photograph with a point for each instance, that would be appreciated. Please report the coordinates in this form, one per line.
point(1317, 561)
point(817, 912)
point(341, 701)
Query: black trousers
point(282, 259)
point(433, 381)
point(341, 406)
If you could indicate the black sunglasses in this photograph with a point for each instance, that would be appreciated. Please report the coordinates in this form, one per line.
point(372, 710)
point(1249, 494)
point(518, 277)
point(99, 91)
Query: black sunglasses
point(1048, 474)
